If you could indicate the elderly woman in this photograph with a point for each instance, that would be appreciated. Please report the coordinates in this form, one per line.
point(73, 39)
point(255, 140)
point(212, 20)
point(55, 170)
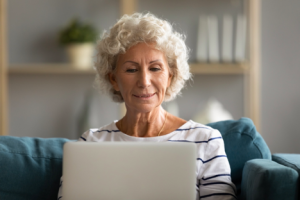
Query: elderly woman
point(143, 62)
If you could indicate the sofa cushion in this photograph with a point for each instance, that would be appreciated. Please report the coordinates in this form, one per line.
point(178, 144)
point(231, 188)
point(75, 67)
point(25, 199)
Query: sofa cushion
point(30, 168)
point(242, 143)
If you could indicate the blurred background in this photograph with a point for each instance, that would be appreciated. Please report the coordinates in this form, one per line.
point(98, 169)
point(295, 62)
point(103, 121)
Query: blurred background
point(60, 101)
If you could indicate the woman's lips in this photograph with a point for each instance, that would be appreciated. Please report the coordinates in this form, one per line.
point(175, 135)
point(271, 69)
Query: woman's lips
point(144, 96)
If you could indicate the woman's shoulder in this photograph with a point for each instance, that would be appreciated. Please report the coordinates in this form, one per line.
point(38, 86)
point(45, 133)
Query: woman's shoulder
point(198, 131)
point(95, 134)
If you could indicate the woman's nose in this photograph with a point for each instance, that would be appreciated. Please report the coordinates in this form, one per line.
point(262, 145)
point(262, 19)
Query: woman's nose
point(144, 79)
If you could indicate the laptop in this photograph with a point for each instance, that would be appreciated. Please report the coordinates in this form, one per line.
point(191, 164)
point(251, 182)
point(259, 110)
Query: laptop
point(129, 171)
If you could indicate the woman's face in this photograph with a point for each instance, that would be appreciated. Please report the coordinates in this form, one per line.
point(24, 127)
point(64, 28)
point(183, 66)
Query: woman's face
point(142, 76)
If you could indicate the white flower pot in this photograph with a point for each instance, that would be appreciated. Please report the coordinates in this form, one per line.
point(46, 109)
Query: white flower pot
point(81, 55)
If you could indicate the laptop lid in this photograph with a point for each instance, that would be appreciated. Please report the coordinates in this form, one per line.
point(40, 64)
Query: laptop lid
point(129, 171)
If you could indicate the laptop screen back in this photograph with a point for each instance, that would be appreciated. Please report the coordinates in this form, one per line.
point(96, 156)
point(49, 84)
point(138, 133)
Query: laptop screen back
point(129, 171)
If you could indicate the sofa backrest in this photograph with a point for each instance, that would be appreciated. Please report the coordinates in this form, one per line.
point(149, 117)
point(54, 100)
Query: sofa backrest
point(30, 168)
point(242, 143)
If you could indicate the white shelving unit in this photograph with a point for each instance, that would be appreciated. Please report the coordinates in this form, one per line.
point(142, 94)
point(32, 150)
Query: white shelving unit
point(250, 70)
point(3, 70)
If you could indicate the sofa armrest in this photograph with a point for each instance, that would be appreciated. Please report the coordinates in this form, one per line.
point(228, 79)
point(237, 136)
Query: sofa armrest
point(267, 180)
point(289, 160)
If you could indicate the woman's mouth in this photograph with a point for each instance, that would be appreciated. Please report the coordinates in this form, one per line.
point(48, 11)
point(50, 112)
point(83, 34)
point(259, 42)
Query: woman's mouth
point(144, 96)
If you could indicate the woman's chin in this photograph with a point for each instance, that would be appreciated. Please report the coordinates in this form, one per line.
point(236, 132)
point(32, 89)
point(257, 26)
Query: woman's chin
point(142, 107)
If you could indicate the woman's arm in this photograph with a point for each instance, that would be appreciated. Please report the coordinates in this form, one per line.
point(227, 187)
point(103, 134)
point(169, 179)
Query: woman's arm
point(59, 196)
point(214, 175)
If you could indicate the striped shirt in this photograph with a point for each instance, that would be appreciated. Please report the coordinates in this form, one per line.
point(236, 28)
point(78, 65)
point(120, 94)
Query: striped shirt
point(212, 170)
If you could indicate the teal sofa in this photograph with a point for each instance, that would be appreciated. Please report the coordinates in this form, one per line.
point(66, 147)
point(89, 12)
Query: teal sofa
point(30, 168)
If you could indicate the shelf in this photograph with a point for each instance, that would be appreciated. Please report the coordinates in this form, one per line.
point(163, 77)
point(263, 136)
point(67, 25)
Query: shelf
point(196, 68)
point(53, 68)
point(219, 68)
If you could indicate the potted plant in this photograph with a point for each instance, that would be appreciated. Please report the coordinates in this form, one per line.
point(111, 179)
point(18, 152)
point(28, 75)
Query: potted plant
point(78, 39)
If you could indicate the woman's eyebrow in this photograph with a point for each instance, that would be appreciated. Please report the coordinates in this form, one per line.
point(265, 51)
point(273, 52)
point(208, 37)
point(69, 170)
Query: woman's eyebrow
point(153, 61)
point(131, 62)
point(158, 60)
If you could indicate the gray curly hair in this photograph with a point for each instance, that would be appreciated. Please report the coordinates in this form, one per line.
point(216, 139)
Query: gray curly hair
point(131, 30)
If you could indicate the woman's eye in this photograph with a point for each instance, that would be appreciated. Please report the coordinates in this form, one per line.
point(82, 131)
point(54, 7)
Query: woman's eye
point(155, 69)
point(131, 70)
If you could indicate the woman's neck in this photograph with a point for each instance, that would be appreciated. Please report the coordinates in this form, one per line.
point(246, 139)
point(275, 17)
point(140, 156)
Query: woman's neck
point(143, 124)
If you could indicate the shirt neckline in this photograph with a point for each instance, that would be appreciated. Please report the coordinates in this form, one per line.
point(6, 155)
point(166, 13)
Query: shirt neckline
point(114, 126)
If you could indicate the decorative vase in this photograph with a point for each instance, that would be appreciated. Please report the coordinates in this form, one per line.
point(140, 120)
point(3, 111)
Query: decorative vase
point(81, 55)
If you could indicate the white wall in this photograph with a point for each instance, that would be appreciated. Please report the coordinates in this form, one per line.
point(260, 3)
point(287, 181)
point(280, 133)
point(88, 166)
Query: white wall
point(280, 63)
point(50, 105)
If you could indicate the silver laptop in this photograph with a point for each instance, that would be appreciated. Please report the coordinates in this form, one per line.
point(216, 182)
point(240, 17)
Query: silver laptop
point(129, 171)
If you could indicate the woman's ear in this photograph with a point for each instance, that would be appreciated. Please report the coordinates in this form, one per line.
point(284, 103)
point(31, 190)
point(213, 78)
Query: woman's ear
point(170, 79)
point(112, 80)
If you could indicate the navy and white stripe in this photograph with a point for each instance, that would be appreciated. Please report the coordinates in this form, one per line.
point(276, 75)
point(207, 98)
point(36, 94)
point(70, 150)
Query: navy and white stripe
point(213, 170)
point(206, 178)
point(83, 138)
point(196, 141)
point(60, 189)
point(187, 129)
point(222, 183)
point(218, 194)
point(205, 161)
point(109, 131)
